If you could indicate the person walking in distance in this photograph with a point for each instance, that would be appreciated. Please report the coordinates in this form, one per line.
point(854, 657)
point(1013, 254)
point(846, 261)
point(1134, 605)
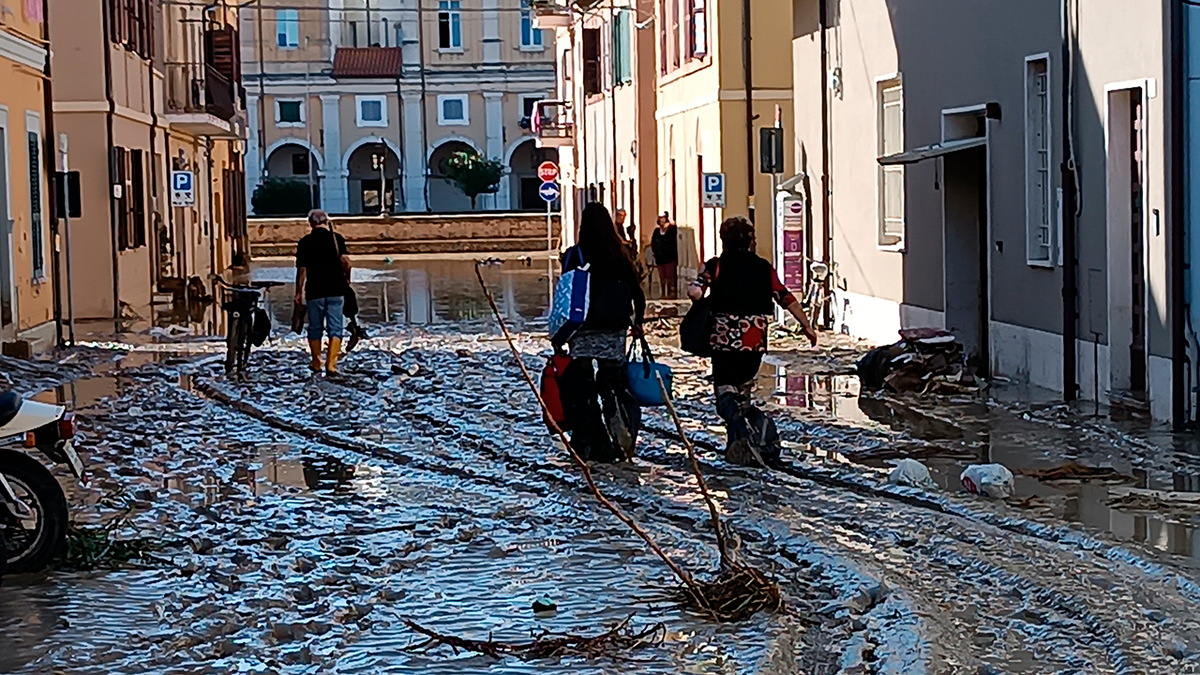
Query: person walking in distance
point(601, 410)
point(665, 245)
point(322, 270)
point(628, 234)
point(742, 288)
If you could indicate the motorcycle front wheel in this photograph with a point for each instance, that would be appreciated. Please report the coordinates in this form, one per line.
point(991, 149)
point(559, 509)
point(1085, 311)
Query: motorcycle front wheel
point(31, 543)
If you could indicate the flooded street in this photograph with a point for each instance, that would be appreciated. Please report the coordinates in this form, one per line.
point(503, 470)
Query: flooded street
point(301, 521)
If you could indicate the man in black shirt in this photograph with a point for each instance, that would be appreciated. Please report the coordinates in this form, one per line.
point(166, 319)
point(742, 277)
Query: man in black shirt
point(322, 271)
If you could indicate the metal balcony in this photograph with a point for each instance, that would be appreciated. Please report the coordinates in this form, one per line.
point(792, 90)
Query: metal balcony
point(550, 15)
point(200, 100)
point(553, 124)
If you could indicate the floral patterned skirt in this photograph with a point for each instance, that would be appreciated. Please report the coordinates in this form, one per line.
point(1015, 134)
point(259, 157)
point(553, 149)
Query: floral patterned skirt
point(733, 333)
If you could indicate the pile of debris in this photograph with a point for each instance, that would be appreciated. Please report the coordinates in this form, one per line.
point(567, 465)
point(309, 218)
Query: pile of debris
point(925, 360)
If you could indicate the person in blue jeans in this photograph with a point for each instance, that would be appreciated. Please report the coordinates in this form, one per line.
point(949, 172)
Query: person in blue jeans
point(322, 271)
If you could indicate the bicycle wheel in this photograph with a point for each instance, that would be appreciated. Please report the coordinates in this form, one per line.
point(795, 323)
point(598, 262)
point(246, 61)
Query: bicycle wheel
point(233, 345)
point(244, 352)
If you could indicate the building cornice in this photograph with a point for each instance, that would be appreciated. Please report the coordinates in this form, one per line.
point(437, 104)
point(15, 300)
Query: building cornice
point(16, 48)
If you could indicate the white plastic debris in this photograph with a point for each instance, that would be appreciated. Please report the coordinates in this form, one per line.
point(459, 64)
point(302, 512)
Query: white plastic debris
point(911, 473)
point(990, 480)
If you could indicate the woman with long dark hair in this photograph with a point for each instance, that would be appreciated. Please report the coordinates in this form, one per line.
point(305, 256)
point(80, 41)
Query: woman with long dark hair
point(601, 411)
point(743, 287)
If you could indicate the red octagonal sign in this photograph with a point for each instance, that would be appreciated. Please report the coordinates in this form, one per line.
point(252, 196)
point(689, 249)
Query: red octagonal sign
point(547, 171)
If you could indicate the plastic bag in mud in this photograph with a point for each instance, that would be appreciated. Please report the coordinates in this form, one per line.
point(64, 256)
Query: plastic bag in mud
point(990, 480)
point(911, 473)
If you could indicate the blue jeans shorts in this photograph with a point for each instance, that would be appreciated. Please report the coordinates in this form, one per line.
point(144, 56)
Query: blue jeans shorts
point(326, 313)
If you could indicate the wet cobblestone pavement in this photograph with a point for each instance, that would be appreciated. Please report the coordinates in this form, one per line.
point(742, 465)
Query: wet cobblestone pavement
point(304, 519)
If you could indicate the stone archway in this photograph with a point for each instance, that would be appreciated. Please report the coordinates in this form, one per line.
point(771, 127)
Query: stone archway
point(293, 161)
point(367, 182)
point(444, 195)
point(523, 182)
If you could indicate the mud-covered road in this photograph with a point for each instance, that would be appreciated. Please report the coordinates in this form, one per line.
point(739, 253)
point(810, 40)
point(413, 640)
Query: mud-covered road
point(304, 519)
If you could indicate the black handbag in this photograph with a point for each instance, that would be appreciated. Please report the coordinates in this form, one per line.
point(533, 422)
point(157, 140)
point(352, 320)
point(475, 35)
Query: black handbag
point(695, 332)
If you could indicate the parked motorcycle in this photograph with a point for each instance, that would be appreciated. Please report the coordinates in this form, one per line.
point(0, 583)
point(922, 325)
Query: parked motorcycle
point(33, 508)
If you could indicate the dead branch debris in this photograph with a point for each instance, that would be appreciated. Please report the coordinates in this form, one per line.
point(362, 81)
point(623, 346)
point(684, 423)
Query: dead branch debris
point(545, 645)
point(1077, 471)
point(736, 592)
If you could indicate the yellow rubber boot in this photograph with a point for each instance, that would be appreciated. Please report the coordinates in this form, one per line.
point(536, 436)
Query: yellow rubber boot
point(335, 350)
point(314, 347)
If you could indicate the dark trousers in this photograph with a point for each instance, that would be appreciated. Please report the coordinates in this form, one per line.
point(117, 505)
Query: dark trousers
point(592, 397)
point(733, 379)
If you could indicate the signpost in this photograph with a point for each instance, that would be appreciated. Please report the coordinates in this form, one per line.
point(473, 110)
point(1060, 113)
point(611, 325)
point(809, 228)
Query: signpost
point(549, 192)
point(714, 190)
point(183, 188)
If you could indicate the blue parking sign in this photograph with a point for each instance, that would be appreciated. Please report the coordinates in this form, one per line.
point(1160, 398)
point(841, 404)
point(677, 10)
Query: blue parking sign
point(183, 188)
point(714, 190)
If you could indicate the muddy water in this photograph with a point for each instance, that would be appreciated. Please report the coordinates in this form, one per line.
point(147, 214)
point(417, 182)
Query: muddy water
point(975, 431)
point(423, 291)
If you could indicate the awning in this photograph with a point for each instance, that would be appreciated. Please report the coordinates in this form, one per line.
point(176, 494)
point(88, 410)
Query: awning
point(932, 151)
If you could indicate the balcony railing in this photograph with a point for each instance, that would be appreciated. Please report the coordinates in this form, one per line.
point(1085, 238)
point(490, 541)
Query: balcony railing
point(199, 88)
point(551, 14)
point(553, 124)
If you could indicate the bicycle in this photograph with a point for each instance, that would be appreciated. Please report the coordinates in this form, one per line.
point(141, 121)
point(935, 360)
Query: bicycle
point(817, 297)
point(249, 324)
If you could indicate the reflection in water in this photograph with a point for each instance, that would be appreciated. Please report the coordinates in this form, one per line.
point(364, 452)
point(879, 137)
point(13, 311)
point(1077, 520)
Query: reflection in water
point(421, 291)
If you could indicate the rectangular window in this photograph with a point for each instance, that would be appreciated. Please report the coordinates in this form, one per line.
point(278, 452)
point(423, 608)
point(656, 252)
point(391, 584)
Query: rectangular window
point(661, 22)
point(675, 33)
point(38, 237)
point(372, 111)
point(622, 59)
point(137, 206)
point(697, 30)
point(120, 195)
point(891, 178)
point(453, 110)
point(591, 61)
point(287, 28)
point(289, 112)
point(1038, 209)
point(449, 25)
point(531, 38)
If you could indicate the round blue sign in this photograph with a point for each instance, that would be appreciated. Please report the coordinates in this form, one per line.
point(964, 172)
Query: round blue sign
point(549, 191)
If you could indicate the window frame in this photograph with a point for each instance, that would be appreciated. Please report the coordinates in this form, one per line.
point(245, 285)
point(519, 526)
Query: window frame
point(37, 194)
point(450, 11)
point(537, 39)
point(279, 121)
point(443, 121)
point(287, 26)
point(622, 50)
point(382, 123)
point(884, 240)
point(697, 10)
point(1050, 205)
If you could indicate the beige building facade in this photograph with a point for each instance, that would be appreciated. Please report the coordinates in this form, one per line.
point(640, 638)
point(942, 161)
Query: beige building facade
point(152, 93)
point(364, 101)
point(27, 293)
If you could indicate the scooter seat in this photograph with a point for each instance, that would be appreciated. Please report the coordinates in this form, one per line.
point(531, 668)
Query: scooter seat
point(10, 403)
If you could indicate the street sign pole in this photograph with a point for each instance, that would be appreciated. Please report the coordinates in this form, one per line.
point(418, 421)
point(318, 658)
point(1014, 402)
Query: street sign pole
point(66, 216)
point(549, 258)
point(549, 192)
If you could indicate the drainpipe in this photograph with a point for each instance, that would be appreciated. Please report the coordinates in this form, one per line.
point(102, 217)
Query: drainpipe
point(424, 91)
point(826, 220)
point(1180, 389)
point(748, 76)
point(152, 238)
point(112, 170)
point(48, 165)
point(400, 189)
point(1070, 283)
point(616, 183)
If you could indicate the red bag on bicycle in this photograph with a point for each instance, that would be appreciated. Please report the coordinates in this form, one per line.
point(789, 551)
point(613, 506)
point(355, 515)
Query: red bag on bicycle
point(552, 375)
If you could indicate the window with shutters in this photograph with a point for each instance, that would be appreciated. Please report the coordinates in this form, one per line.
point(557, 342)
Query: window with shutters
point(37, 235)
point(450, 25)
point(1038, 205)
point(697, 30)
point(891, 178)
point(591, 61)
point(129, 202)
point(130, 23)
point(622, 54)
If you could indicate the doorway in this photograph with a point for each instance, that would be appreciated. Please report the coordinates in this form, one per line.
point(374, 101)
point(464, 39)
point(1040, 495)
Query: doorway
point(8, 310)
point(965, 212)
point(370, 195)
point(1127, 284)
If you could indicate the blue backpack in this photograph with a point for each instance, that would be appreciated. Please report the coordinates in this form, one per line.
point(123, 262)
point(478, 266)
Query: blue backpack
point(571, 300)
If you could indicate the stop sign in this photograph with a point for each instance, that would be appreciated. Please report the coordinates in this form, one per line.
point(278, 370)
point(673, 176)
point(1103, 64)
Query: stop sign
point(547, 171)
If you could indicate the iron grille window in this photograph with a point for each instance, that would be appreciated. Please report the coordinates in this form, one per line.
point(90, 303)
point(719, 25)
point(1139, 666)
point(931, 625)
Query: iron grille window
point(1038, 210)
point(37, 239)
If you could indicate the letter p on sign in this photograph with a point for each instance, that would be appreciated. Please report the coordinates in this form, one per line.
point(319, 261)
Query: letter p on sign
point(714, 190)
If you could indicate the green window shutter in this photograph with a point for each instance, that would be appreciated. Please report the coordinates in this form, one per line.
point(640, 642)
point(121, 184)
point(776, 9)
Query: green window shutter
point(621, 52)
